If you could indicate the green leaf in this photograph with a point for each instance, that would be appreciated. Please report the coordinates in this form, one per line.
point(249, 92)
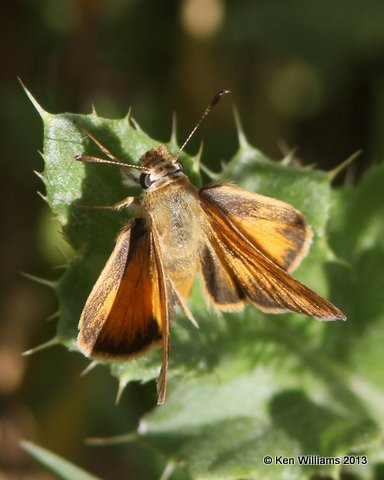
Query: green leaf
point(246, 384)
point(62, 468)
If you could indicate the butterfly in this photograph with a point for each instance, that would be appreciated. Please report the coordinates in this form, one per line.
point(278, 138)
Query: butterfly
point(244, 244)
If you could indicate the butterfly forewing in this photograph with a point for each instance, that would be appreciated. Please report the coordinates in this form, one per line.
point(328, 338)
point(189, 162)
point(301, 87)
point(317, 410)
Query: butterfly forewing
point(123, 315)
point(274, 227)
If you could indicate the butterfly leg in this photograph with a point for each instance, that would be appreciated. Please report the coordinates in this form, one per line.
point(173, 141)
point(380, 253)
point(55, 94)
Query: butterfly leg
point(117, 206)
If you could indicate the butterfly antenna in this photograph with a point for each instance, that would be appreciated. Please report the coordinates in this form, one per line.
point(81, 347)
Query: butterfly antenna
point(215, 100)
point(92, 159)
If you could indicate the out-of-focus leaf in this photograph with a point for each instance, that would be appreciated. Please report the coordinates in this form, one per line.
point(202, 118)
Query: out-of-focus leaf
point(62, 468)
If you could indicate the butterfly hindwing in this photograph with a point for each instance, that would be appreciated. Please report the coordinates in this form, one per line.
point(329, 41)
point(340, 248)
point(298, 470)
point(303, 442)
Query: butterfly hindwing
point(220, 284)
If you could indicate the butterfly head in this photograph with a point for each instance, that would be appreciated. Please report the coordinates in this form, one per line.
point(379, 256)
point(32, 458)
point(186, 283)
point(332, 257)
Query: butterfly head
point(159, 166)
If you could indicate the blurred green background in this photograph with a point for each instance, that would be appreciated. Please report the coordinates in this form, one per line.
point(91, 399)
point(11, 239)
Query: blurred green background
point(305, 74)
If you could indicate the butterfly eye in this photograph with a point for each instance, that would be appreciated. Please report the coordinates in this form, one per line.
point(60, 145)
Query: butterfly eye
point(145, 180)
point(179, 167)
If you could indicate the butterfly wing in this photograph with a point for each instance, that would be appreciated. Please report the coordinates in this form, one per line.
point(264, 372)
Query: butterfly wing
point(256, 275)
point(125, 312)
point(220, 282)
point(276, 228)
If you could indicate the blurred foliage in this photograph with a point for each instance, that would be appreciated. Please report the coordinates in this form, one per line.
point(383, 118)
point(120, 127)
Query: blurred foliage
point(302, 74)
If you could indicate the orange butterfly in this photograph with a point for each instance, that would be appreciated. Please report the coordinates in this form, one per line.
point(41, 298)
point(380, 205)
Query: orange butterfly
point(243, 243)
